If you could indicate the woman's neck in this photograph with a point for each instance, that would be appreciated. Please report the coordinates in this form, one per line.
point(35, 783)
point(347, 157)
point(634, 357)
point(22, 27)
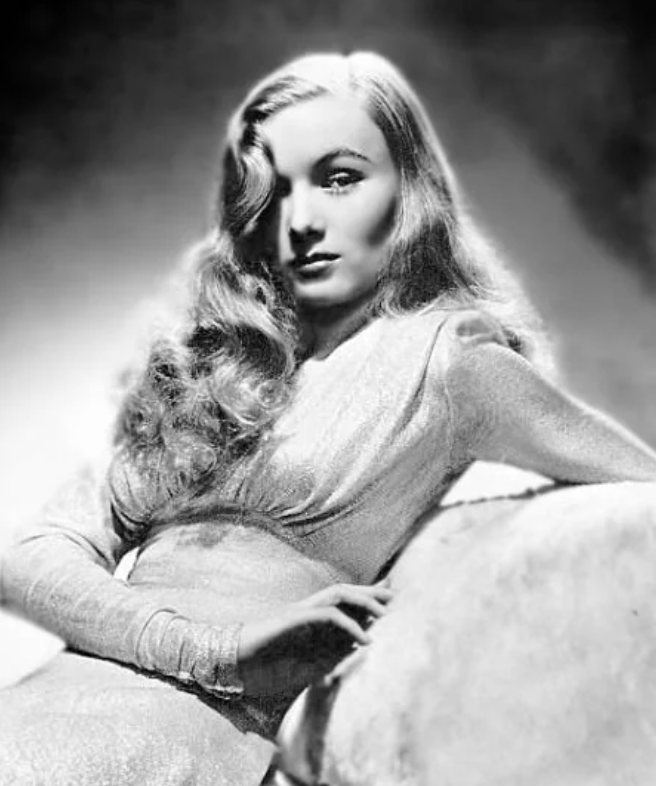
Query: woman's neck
point(323, 330)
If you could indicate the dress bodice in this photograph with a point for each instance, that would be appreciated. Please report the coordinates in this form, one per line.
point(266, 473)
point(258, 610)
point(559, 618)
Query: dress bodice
point(364, 447)
point(361, 451)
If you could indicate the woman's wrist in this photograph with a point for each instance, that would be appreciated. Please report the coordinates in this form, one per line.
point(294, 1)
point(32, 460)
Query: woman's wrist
point(227, 680)
point(218, 672)
point(210, 660)
point(193, 652)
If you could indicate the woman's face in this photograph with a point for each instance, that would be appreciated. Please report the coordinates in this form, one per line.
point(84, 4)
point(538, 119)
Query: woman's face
point(334, 206)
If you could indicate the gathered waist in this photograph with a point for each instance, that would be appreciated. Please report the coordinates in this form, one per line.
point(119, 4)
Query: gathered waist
point(213, 511)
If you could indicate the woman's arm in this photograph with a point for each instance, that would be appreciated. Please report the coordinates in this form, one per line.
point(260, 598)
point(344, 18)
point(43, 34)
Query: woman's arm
point(59, 573)
point(505, 411)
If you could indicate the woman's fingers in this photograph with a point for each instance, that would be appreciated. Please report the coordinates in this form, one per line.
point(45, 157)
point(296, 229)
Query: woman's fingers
point(379, 591)
point(372, 598)
point(373, 604)
point(331, 614)
point(281, 653)
point(370, 606)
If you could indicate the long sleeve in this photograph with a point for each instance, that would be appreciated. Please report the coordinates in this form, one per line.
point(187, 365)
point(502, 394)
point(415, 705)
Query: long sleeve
point(59, 573)
point(505, 411)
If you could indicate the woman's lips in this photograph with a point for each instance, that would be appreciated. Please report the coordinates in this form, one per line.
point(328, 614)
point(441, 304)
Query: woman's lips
point(312, 265)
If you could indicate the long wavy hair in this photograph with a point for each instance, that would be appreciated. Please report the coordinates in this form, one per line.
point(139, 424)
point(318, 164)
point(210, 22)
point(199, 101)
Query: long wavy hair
point(208, 392)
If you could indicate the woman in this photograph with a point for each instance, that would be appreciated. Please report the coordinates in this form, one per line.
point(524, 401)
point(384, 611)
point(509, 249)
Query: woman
point(351, 346)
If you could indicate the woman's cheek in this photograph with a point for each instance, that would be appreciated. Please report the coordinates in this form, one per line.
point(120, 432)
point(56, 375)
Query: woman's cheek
point(380, 218)
point(364, 223)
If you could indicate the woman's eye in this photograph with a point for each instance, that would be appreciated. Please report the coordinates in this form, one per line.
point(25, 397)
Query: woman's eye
point(342, 180)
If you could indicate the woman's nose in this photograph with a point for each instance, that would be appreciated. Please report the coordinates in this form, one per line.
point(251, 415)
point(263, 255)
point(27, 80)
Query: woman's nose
point(305, 221)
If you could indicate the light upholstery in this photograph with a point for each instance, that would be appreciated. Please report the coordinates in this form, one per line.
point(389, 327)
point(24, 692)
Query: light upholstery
point(520, 649)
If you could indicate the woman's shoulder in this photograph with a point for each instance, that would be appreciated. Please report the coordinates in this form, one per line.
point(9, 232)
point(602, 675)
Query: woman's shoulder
point(457, 327)
point(424, 345)
point(455, 335)
point(467, 327)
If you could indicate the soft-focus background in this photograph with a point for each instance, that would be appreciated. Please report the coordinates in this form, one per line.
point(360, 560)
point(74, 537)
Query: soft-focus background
point(111, 119)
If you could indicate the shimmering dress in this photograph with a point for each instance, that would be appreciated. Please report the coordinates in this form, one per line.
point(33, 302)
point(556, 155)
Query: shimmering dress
point(368, 444)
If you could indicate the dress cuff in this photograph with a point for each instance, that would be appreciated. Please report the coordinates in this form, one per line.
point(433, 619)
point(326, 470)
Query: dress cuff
point(193, 652)
point(211, 660)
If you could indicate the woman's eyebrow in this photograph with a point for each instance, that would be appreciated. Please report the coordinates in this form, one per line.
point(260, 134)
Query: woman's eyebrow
point(342, 152)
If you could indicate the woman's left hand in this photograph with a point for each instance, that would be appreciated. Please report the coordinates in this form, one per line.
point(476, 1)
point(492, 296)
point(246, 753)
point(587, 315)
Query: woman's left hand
point(285, 652)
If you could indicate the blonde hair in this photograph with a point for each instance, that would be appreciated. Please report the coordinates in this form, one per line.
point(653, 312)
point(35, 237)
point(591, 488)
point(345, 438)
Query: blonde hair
point(205, 398)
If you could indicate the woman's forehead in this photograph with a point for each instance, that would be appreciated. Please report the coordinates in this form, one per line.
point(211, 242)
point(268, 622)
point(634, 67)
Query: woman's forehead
point(309, 131)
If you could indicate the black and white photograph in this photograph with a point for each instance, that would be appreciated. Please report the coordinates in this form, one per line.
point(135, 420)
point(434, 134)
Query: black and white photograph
point(328, 415)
